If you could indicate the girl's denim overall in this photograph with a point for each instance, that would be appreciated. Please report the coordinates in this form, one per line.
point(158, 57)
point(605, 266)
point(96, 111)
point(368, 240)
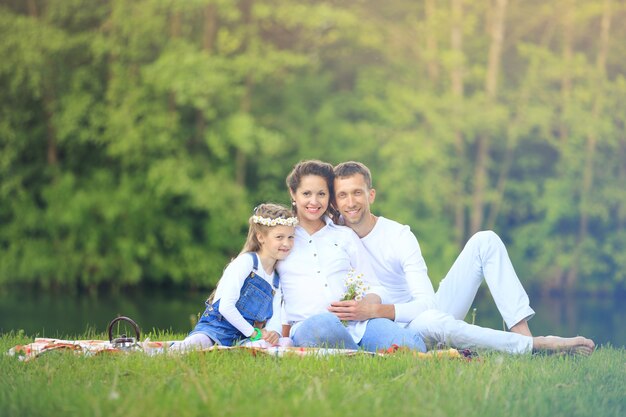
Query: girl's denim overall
point(254, 304)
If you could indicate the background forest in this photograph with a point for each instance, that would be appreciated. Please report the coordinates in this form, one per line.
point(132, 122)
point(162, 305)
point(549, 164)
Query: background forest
point(136, 136)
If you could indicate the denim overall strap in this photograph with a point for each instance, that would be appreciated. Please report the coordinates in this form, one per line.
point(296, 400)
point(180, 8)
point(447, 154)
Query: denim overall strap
point(255, 262)
point(255, 267)
point(276, 280)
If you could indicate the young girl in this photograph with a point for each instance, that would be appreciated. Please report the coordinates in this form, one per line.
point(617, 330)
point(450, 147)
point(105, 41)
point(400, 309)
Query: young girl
point(247, 293)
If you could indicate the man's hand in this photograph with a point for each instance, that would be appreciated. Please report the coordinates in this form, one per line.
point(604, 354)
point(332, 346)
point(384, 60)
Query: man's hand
point(352, 310)
point(270, 336)
point(367, 308)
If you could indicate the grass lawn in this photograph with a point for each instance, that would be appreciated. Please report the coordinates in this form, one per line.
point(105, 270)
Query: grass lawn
point(239, 384)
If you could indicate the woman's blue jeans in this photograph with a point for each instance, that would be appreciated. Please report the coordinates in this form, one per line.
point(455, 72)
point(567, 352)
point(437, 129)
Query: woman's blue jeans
point(326, 330)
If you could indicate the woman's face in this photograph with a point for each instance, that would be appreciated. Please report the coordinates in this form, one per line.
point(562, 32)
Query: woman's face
point(311, 197)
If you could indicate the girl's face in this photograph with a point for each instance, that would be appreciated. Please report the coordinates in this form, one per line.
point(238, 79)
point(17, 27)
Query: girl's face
point(311, 198)
point(277, 242)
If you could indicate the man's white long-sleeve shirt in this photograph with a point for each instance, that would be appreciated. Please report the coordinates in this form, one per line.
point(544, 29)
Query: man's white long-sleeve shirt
point(400, 268)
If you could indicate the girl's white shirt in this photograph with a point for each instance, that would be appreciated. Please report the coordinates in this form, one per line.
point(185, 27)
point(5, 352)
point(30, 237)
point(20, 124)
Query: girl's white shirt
point(229, 289)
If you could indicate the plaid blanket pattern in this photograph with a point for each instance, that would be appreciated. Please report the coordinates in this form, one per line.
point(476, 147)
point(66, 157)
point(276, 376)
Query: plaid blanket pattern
point(97, 347)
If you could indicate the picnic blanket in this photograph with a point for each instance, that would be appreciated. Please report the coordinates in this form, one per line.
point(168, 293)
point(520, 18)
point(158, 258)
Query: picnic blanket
point(97, 347)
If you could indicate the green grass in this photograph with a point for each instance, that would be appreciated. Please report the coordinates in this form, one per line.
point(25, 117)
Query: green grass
point(239, 384)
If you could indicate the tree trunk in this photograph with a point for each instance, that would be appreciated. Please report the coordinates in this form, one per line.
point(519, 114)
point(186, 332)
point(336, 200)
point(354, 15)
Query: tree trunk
point(175, 31)
point(495, 49)
point(483, 141)
point(457, 85)
point(245, 105)
point(208, 45)
point(512, 135)
point(621, 209)
point(241, 158)
point(52, 152)
point(590, 148)
point(430, 9)
point(566, 79)
point(48, 99)
point(566, 13)
point(210, 28)
point(32, 8)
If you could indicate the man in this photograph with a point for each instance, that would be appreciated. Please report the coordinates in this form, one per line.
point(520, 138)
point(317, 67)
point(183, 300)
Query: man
point(438, 316)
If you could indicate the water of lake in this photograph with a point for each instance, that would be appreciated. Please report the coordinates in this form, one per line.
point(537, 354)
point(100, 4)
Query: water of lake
point(64, 315)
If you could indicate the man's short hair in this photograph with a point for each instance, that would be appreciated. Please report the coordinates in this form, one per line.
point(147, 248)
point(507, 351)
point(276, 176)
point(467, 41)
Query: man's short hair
point(350, 168)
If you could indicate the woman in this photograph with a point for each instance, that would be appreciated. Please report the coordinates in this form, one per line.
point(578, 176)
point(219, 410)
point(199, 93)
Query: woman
point(314, 274)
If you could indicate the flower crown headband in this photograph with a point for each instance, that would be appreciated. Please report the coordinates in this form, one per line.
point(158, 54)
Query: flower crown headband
point(266, 221)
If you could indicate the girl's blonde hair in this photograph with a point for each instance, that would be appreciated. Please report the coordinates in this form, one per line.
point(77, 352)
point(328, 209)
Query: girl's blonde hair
point(269, 211)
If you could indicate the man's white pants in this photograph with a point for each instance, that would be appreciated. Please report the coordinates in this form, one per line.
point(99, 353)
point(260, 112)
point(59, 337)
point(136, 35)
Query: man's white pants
point(485, 256)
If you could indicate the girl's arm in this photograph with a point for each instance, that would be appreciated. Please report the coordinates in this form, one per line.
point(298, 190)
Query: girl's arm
point(229, 289)
point(274, 323)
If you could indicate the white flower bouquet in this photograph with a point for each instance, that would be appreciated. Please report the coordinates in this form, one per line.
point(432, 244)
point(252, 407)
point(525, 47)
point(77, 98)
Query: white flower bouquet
point(355, 288)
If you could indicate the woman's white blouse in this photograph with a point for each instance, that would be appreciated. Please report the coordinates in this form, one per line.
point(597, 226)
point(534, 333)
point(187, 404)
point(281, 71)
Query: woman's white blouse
point(314, 273)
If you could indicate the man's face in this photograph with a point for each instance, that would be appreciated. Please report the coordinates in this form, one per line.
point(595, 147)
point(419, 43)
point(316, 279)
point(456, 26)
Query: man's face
point(353, 199)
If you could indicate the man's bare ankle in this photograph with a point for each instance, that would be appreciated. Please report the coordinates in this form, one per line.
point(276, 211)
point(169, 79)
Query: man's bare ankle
point(522, 328)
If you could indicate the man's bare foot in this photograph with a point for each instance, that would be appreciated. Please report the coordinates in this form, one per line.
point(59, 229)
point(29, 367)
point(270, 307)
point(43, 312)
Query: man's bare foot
point(573, 345)
point(522, 328)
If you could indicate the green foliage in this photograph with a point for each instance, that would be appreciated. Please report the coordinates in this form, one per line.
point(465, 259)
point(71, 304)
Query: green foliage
point(135, 137)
